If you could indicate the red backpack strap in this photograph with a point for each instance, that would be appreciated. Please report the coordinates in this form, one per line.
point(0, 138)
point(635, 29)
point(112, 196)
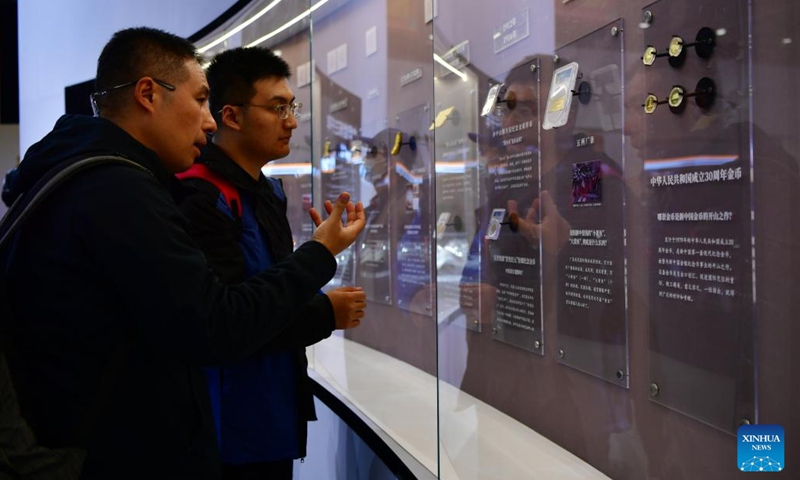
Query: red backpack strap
point(228, 191)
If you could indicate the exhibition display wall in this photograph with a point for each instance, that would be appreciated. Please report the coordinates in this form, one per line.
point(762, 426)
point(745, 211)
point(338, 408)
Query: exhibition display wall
point(579, 257)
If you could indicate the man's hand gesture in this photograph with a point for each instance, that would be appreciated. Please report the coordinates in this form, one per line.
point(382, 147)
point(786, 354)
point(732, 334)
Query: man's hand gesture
point(332, 233)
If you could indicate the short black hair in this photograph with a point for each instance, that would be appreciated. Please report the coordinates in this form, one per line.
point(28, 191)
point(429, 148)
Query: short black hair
point(233, 74)
point(137, 52)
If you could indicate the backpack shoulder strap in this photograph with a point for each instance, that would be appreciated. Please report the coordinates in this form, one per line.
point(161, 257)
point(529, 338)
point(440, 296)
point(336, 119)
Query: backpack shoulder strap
point(26, 203)
point(226, 188)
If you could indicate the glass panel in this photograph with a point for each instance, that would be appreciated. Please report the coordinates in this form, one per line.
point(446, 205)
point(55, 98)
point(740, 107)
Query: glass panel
point(375, 245)
point(653, 244)
point(510, 145)
point(588, 188)
point(455, 128)
point(697, 159)
point(410, 174)
point(340, 112)
point(491, 381)
point(373, 103)
point(775, 146)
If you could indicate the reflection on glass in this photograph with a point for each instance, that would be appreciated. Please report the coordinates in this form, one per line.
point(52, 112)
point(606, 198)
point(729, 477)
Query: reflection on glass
point(572, 284)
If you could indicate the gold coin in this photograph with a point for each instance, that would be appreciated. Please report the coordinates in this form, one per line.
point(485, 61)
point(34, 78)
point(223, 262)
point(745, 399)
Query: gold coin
point(649, 56)
point(650, 104)
point(676, 96)
point(675, 46)
point(398, 141)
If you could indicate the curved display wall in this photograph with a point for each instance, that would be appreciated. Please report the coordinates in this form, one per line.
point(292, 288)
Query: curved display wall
point(579, 256)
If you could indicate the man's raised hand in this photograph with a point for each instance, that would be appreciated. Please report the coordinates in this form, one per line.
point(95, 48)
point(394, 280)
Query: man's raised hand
point(331, 232)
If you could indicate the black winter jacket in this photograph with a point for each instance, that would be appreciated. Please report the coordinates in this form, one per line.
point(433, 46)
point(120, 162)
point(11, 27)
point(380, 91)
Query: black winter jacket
point(107, 262)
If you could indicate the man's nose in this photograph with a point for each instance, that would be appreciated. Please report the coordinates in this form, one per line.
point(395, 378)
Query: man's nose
point(291, 121)
point(209, 124)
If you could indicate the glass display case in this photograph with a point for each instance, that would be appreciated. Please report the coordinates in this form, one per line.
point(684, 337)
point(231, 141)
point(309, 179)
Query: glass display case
point(579, 256)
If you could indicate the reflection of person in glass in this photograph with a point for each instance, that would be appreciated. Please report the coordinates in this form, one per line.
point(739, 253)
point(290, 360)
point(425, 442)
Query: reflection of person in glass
point(539, 225)
point(373, 245)
point(393, 208)
point(495, 370)
point(536, 218)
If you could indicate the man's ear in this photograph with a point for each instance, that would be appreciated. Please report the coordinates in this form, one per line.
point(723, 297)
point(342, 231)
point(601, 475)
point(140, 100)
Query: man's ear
point(231, 117)
point(144, 93)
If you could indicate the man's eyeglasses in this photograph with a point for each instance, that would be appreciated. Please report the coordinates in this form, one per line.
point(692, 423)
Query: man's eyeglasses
point(94, 96)
point(281, 110)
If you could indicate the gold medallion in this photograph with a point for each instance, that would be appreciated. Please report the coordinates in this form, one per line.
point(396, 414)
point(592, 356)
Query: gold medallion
point(650, 104)
point(649, 56)
point(675, 46)
point(676, 96)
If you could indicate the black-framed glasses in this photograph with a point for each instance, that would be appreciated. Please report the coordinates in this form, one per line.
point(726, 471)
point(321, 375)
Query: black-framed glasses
point(282, 110)
point(94, 96)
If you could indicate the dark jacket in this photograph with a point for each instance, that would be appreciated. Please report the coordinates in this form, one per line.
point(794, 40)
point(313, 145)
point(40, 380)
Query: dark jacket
point(107, 262)
point(265, 401)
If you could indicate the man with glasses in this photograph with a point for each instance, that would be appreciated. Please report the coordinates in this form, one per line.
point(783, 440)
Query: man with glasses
point(262, 404)
point(115, 309)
